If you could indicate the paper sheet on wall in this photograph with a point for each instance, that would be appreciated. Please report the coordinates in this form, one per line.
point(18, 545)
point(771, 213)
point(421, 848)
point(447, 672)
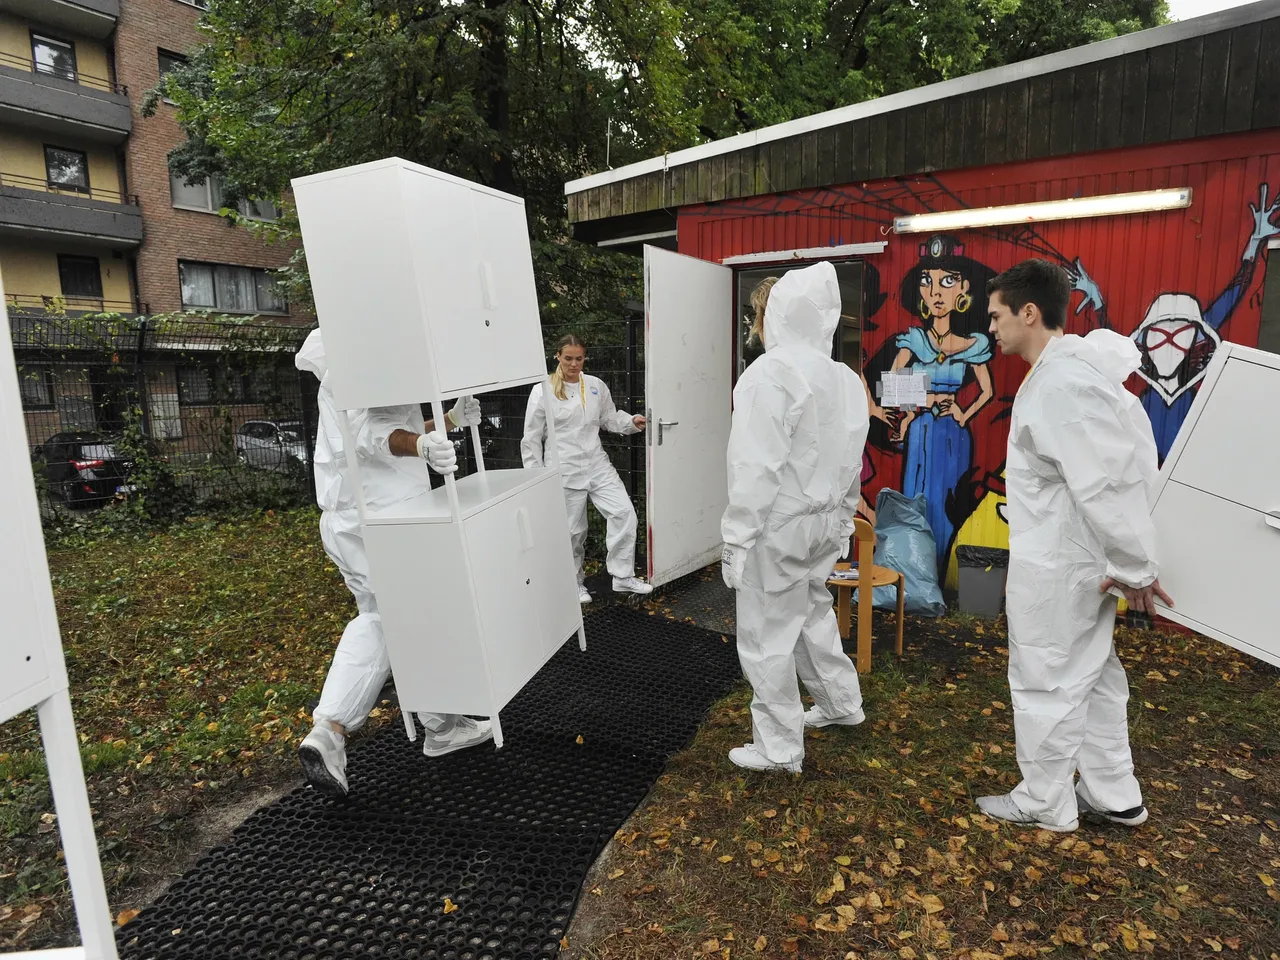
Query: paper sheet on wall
point(903, 388)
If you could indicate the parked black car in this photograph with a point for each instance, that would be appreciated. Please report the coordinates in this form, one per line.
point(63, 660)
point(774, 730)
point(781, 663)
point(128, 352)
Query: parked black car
point(85, 468)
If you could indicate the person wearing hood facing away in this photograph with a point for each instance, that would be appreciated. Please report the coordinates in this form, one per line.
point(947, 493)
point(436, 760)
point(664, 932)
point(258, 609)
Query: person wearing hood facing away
point(1080, 468)
point(800, 422)
point(391, 442)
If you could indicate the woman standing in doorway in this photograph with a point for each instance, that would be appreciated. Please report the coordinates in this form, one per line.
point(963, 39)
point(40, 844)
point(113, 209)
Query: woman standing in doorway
point(583, 407)
point(946, 290)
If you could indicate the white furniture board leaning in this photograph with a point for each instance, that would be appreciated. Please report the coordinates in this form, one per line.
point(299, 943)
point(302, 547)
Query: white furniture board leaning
point(424, 290)
point(1216, 506)
point(33, 672)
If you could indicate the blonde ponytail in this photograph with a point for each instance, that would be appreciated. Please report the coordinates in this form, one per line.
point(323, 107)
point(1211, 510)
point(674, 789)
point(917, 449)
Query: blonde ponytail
point(759, 300)
point(557, 377)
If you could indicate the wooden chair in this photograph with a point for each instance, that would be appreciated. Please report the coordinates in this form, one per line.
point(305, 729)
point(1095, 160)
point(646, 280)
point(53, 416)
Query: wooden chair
point(869, 575)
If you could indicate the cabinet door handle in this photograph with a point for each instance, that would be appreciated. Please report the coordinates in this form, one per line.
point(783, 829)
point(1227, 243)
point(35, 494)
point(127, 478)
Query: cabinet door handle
point(1273, 519)
point(526, 532)
point(487, 285)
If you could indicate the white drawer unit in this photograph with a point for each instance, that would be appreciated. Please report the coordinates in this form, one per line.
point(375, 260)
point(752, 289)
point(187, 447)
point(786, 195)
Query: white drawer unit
point(424, 290)
point(1216, 507)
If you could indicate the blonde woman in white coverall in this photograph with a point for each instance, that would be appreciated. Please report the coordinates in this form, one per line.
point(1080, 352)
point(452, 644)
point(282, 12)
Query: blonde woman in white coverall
point(1081, 464)
point(800, 421)
point(391, 443)
point(583, 407)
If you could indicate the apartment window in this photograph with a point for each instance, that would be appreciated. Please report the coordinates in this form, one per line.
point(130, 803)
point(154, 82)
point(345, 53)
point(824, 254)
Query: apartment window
point(66, 169)
point(168, 61)
point(207, 196)
point(52, 57)
point(80, 276)
point(35, 382)
point(194, 385)
point(217, 286)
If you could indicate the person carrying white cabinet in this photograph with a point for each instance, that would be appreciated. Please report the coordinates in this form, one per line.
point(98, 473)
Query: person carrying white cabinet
point(800, 422)
point(1081, 465)
point(583, 407)
point(389, 442)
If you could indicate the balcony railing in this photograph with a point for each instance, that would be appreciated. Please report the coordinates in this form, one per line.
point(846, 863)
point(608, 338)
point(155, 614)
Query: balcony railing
point(50, 304)
point(73, 76)
point(66, 189)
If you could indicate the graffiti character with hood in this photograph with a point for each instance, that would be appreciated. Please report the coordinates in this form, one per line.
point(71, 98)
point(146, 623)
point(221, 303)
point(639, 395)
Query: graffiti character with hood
point(1177, 339)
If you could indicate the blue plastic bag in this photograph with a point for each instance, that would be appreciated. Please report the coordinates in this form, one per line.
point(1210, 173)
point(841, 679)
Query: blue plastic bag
point(904, 542)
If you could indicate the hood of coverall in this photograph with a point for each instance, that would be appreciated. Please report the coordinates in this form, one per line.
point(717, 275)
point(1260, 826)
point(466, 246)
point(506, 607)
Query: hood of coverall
point(803, 309)
point(310, 356)
point(1113, 355)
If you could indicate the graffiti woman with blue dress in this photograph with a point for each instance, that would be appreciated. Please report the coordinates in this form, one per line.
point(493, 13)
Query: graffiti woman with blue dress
point(947, 291)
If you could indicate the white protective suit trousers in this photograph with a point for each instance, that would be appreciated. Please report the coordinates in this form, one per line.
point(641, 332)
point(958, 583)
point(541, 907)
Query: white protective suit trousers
point(360, 665)
point(1070, 713)
point(605, 490)
point(782, 634)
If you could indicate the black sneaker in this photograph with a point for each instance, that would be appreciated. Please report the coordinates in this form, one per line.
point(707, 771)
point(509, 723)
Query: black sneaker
point(1133, 817)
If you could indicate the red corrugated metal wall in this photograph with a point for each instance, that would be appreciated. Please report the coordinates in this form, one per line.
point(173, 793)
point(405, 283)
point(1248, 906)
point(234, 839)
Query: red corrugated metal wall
point(1130, 272)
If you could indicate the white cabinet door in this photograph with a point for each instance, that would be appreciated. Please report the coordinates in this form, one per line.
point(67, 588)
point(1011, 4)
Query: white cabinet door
point(1219, 562)
point(1232, 422)
point(551, 561)
point(689, 393)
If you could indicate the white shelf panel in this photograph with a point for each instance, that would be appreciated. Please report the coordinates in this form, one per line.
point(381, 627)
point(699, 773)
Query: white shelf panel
point(475, 493)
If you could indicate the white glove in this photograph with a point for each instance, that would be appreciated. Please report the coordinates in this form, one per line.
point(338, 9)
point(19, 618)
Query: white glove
point(465, 413)
point(437, 450)
point(844, 549)
point(846, 534)
point(732, 562)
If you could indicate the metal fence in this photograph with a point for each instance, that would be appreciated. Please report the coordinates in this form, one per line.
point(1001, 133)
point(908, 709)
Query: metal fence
point(193, 412)
point(178, 411)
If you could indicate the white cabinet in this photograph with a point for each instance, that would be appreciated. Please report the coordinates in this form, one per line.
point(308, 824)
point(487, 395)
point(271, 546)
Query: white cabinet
point(424, 289)
point(423, 284)
point(1216, 507)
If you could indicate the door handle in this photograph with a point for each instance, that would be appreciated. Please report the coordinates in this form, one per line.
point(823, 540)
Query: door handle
point(665, 423)
point(1273, 519)
point(526, 534)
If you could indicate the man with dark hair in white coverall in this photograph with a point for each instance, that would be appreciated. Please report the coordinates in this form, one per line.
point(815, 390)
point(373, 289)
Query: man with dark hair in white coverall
point(800, 421)
point(1081, 464)
point(391, 442)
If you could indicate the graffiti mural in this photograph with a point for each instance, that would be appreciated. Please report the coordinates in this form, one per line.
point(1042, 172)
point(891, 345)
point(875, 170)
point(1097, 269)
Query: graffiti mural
point(1178, 283)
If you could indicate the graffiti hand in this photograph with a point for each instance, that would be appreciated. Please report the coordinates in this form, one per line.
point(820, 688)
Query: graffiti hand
point(1263, 228)
point(1081, 281)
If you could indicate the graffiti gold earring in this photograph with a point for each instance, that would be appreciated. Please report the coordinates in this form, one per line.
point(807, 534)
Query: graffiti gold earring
point(924, 310)
point(963, 303)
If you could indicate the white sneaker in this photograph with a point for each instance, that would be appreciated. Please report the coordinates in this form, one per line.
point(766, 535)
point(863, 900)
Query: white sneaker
point(631, 585)
point(815, 719)
point(323, 754)
point(584, 595)
point(749, 757)
point(1003, 808)
point(462, 733)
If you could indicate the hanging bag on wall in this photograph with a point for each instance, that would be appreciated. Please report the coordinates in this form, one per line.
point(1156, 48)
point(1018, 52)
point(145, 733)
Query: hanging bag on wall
point(904, 542)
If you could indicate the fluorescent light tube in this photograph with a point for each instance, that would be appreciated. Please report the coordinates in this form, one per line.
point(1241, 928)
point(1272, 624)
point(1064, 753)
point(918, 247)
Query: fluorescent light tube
point(1146, 201)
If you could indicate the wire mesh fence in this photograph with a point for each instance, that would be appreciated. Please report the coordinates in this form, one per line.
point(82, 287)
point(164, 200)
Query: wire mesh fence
point(195, 412)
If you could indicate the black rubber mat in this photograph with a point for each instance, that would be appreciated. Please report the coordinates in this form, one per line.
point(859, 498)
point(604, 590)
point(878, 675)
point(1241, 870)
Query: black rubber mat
point(503, 839)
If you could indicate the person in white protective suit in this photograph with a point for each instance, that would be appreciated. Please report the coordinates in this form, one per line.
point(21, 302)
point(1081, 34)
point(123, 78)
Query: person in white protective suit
point(583, 407)
point(800, 421)
point(391, 443)
point(1081, 464)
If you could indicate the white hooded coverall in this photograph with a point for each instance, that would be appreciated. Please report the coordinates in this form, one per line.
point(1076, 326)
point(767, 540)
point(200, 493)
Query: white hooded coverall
point(585, 467)
point(360, 665)
point(1081, 464)
point(800, 421)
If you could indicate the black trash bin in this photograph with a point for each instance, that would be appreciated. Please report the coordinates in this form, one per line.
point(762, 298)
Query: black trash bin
point(982, 575)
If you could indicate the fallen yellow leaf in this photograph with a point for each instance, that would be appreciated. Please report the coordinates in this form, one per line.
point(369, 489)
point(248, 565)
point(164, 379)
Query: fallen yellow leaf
point(1129, 938)
point(616, 874)
point(1266, 880)
point(212, 728)
point(760, 944)
point(450, 906)
point(727, 858)
point(1073, 935)
point(932, 903)
point(124, 916)
point(1241, 774)
point(579, 741)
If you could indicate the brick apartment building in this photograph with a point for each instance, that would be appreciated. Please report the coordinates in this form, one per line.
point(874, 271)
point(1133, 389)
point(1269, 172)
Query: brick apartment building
point(91, 220)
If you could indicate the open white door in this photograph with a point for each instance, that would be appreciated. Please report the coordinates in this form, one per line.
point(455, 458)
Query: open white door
point(688, 364)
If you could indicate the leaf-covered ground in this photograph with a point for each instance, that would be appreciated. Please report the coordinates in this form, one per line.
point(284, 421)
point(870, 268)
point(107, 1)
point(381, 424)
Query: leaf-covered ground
point(194, 654)
point(877, 850)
